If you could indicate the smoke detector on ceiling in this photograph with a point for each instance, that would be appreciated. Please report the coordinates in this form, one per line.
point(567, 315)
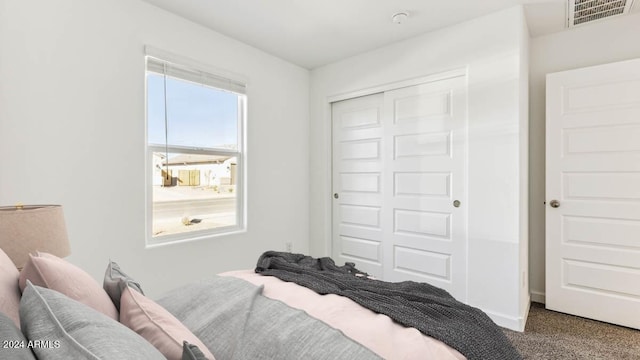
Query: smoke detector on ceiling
point(400, 17)
point(584, 11)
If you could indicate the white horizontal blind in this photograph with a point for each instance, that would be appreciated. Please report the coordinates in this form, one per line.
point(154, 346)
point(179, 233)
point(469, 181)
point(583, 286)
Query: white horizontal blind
point(194, 75)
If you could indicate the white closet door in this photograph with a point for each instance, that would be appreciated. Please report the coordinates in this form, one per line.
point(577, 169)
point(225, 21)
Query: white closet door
point(357, 182)
point(593, 193)
point(399, 164)
point(425, 237)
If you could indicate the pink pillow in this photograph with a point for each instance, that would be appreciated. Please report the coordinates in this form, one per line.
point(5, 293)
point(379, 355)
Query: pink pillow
point(53, 273)
point(157, 325)
point(9, 290)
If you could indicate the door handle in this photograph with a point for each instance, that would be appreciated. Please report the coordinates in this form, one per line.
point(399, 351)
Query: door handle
point(554, 203)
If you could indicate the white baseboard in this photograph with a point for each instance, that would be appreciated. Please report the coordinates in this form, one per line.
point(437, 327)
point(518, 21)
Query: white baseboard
point(510, 322)
point(537, 296)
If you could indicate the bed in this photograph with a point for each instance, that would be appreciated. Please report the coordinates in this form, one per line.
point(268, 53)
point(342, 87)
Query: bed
point(57, 311)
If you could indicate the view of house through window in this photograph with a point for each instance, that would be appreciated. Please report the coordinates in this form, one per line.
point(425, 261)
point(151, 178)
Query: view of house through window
point(194, 131)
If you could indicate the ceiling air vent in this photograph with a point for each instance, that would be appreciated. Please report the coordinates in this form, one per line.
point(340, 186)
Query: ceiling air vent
point(584, 11)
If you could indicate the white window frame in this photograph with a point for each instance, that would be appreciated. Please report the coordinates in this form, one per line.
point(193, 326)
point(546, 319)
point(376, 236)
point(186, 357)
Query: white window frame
point(220, 80)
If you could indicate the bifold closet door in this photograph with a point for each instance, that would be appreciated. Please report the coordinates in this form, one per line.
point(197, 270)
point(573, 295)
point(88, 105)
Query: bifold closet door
point(399, 184)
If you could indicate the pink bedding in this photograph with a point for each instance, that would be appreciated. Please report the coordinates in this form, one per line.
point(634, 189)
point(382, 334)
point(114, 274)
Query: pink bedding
point(375, 331)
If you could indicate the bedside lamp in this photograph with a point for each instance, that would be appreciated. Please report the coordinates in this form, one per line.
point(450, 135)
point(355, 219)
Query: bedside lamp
point(25, 229)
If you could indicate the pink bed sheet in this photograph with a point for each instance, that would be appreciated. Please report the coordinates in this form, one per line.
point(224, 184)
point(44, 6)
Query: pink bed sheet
point(378, 332)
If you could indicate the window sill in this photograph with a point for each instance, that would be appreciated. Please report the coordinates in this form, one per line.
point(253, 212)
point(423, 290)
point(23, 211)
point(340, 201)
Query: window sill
point(161, 241)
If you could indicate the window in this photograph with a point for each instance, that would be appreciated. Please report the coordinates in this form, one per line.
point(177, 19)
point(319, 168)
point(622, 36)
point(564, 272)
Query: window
point(195, 124)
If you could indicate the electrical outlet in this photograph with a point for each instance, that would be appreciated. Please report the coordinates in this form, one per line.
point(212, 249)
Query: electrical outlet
point(288, 246)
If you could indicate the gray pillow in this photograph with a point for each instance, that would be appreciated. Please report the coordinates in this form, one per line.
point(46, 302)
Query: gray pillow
point(115, 280)
point(77, 331)
point(192, 352)
point(14, 344)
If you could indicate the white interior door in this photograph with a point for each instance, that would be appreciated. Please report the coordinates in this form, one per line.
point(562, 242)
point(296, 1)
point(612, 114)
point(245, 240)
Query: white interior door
point(593, 193)
point(357, 182)
point(399, 167)
point(425, 237)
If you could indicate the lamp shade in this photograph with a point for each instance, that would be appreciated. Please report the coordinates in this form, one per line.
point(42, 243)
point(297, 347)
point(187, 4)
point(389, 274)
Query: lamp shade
point(29, 228)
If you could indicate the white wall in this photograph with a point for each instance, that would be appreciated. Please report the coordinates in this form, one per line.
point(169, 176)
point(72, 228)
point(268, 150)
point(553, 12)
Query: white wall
point(491, 48)
point(592, 44)
point(72, 101)
point(525, 301)
point(72, 105)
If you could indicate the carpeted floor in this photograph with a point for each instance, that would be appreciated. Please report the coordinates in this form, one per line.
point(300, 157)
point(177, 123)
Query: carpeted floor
point(552, 335)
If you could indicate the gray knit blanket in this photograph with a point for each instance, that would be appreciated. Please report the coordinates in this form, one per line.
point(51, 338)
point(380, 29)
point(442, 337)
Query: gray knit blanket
point(431, 310)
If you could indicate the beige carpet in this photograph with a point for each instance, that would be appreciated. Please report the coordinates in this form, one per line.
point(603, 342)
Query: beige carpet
point(552, 335)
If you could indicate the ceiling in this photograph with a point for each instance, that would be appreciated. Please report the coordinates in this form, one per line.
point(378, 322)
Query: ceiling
point(314, 33)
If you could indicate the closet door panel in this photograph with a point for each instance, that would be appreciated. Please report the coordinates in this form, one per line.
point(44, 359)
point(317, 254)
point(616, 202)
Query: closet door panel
point(357, 182)
point(399, 183)
point(425, 168)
